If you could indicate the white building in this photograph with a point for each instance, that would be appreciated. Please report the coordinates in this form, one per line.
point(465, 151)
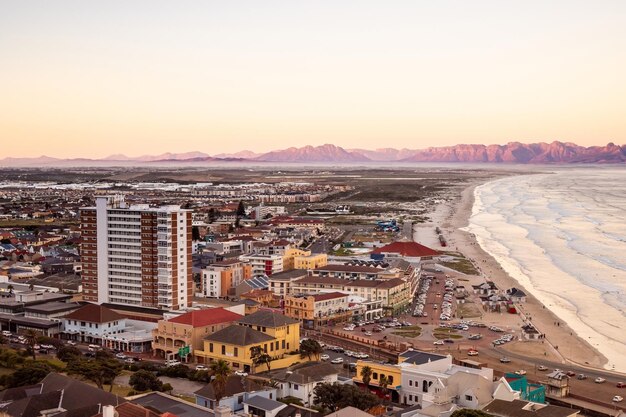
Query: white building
point(91, 324)
point(264, 264)
point(136, 254)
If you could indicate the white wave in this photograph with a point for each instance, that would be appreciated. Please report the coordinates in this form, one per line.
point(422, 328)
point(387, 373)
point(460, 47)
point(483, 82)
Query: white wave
point(561, 236)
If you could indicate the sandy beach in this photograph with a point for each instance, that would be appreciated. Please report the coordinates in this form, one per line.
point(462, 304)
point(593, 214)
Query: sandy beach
point(561, 341)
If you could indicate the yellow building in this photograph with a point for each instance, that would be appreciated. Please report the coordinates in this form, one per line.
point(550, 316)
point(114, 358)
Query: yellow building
point(318, 309)
point(391, 372)
point(303, 259)
point(189, 329)
point(274, 333)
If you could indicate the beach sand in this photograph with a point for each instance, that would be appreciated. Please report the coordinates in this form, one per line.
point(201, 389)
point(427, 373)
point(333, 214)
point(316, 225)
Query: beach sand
point(562, 342)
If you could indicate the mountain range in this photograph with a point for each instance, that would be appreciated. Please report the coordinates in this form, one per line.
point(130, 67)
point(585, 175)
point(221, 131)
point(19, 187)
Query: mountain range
point(513, 152)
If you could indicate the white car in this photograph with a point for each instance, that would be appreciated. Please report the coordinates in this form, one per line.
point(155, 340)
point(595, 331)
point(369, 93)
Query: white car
point(201, 368)
point(618, 399)
point(521, 372)
point(438, 342)
point(241, 373)
point(71, 343)
point(324, 357)
point(472, 353)
point(172, 363)
point(120, 356)
point(337, 361)
point(599, 380)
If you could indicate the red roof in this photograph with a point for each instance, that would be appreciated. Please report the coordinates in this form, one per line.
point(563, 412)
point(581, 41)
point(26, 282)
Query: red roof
point(94, 313)
point(205, 317)
point(329, 296)
point(411, 249)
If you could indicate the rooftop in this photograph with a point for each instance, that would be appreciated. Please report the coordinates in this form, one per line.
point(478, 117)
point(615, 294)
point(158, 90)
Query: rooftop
point(94, 313)
point(266, 318)
point(239, 335)
point(206, 317)
point(408, 249)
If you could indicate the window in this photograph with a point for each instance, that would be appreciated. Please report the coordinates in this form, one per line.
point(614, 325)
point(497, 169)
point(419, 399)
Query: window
point(283, 344)
point(410, 382)
point(375, 375)
point(223, 350)
point(469, 398)
point(295, 387)
point(410, 398)
point(390, 378)
point(236, 351)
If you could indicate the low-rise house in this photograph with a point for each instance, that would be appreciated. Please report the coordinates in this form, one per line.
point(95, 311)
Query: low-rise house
point(168, 405)
point(299, 381)
point(258, 406)
point(519, 408)
point(236, 391)
point(273, 333)
point(280, 283)
point(189, 329)
point(516, 295)
point(263, 297)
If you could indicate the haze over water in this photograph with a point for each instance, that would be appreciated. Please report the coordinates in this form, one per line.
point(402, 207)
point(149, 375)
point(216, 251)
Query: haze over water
point(562, 235)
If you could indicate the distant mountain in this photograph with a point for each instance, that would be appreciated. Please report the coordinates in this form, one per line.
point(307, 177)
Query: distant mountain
point(239, 155)
point(323, 153)
point(513, 152)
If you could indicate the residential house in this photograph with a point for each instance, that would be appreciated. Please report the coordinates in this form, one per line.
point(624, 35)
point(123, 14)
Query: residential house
point(280, 283)
point(519, 408)
point(274, 333)
point(318, 309)
point(264, 264)
point(219, 278)
point(189, 329)
point(236, 391)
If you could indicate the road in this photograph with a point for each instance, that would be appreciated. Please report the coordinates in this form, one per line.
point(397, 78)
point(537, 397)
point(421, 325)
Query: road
point(321, 245)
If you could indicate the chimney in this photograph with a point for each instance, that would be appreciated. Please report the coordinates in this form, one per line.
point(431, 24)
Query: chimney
point(108, 411)
point(220, 411)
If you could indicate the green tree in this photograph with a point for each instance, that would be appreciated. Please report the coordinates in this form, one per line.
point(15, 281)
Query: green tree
point(143, 380)
point(336, 396)
point(29, 374)
point(10, 359)
point(366, 375)
point(309, 348)
point(241, 209)
point(220, 371)
point(167, 387)
point(32, 337)
point(383, 384)
point(101, 370)
point(69, 353)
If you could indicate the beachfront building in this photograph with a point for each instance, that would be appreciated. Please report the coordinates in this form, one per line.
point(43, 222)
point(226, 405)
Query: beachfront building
point(189, 329)
point(431, 381)
point(318, 309)
point(274, 333)
point(136, 254)
point(217, 279)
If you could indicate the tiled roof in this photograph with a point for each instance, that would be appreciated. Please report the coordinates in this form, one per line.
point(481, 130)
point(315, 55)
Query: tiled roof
point(329, 296)
point(267, 319)
point(234, 385)
point(205, 317)
point(411, 249)
point(239, 336)
point(94, 313)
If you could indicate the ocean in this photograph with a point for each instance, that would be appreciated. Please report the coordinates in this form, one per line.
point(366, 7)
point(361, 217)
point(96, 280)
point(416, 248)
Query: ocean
point(562, 236)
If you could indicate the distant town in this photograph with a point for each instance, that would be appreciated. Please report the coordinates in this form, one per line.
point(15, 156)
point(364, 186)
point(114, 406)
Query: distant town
point(260, 293)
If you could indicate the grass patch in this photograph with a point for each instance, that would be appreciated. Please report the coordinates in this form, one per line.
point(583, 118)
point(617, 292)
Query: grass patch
point(412, 328)
point(463, 265)
point(447, 336)
point(444, 330)
point(409, 333)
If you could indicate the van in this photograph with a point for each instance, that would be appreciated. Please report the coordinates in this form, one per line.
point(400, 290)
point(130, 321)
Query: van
point(94, 346)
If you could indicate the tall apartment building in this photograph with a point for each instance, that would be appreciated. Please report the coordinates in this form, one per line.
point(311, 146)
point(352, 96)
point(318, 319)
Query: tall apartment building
point(136, 254)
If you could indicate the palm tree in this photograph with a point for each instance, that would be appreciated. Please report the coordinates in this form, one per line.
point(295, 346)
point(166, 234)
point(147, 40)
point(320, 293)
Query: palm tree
point(383, 383)
point(263, 359)
point(220, 370)
point(31, 340)
point(255, 352)
point(366, 376)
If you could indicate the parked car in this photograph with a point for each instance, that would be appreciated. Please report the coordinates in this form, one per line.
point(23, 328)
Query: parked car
point(438, 342)
point(71, 343)
point(472, 353)
point(521, 372)
point(324, 357)
point(172, 363)
point(542, 368)
point(581, 376)
point(599, 380)
point(337, 361)
point(241, 373)
point(570, 373)
point(618, 399)
point(201, 368)
point(120, 356)
point(505, 360)
point(620, 385)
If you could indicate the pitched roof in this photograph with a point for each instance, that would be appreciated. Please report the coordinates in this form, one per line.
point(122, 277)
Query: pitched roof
point(410, 249)
point(267, 319)
point(264, 403)
point(94, 313)
point(329, 296)
point(519, 408)
point(234, 385)
point(418, 357)
point(164, 403)
point(206, 317)
point(303, 373)
point(349, 412)
point(239, 335)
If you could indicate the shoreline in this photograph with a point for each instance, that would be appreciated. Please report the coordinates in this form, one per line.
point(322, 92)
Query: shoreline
point(452, 219)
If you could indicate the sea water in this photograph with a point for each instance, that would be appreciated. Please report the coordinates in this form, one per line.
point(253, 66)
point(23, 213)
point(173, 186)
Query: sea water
point(562, 236)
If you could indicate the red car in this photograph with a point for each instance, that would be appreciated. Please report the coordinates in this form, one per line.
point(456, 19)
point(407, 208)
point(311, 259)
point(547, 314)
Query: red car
point(621, 385)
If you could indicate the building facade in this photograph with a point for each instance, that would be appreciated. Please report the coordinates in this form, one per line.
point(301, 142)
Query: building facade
point(136, 254)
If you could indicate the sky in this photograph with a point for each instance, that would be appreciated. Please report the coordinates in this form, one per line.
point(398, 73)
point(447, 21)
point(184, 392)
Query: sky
point(90, 79)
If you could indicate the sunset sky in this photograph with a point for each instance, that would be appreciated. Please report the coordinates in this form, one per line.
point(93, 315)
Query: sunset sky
point(90, 79)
